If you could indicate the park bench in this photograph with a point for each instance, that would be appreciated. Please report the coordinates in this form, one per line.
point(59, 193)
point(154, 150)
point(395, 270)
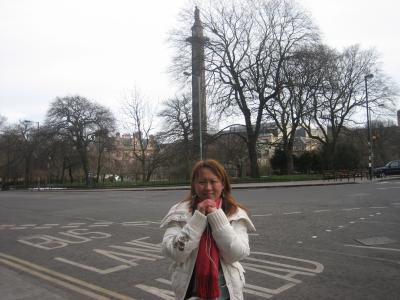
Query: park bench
point(344, 174)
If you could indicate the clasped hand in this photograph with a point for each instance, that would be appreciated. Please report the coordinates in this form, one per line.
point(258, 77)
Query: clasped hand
point(207, 206)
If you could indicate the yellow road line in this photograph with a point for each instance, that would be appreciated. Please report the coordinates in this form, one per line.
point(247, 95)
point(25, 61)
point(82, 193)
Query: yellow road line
point(67, 278)
point(54, 280)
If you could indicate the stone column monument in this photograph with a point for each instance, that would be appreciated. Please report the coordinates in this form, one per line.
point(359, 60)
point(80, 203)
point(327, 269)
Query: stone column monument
point(199, 113)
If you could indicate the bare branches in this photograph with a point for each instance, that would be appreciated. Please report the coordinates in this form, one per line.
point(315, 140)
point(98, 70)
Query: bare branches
point(146, 149)
point(177, 115)
point(79, 120)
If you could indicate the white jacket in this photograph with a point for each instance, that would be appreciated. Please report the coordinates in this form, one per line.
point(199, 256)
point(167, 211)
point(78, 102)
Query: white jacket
point(230, 235)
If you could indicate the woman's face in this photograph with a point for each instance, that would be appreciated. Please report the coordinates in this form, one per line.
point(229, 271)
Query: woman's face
point(207, 185)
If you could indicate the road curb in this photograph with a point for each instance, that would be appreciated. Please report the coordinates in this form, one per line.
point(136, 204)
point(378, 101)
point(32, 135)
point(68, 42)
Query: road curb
point(235, 186)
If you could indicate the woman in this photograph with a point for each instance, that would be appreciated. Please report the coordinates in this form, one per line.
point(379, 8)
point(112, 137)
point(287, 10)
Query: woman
point(206, 236)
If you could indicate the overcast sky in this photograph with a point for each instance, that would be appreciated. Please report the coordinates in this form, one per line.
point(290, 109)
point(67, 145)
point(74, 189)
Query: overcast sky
point(101, 49)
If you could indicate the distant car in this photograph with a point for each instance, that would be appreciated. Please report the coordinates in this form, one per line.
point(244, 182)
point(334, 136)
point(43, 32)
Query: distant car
point(391, 168)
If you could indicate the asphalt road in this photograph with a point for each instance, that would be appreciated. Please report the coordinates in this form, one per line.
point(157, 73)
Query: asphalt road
point(316, 242)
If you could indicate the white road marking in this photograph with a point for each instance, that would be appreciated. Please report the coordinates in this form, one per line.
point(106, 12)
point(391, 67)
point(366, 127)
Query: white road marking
point(314, 237)
point(255, 234)
point(293, 213)
point(266, 290)
point(256, 268)
point(351, 222)
point(28, 225)
point(132, 222)
point(348, 209)
point(266, 215)
point(253, 292)
point(162, 293)
point(17, 228)
point(42, 227)
point(378, 207)
point(328, 230)
point(99, 225)
point(162, 280)
point(321, 210)
point(76, 223)
point(375, 248)
point(318, 268)
point(139, 223)
point(93, 269)
point(362, 218)
point(50, 224)
point(70, 226)
point(340, 226)
point(103, 223)
point(359, 195)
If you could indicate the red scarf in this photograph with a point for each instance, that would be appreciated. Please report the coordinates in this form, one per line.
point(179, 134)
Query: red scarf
point(207, 264)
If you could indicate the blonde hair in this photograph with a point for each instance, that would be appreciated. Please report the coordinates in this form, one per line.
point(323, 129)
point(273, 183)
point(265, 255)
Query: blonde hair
point(229, 203)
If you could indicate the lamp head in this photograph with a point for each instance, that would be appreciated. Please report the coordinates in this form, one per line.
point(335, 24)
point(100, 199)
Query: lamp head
point(368, 76)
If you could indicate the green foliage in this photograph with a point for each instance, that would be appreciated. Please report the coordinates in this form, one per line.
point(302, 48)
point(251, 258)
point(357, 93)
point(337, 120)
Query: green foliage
point(309, 162)
point(278, 161)
point(346, 156)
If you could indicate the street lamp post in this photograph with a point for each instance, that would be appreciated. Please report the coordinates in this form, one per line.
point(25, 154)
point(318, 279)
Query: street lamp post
point(366, 77)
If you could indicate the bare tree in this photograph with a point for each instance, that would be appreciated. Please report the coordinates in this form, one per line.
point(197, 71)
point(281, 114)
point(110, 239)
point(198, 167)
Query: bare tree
point(301, 75)
point(139, 120)
point(177, 129)
point(59, 156)
point(230, 149)
point(19, 143)
point(11, 162)
point(3, 121)
point(28, 138)
point(78, 119)
point(249, 42)
point(177, 115)
point(341, 93)
point(103, 142)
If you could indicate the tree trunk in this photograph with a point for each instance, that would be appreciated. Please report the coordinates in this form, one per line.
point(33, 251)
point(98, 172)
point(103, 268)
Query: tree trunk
point(85, 165)
point(27, 179)
point(64, 166)
point(289, 160)
point(288, 149)
point(251, 147)
point(71, 178)
point(143, 163)
point(98, 167)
